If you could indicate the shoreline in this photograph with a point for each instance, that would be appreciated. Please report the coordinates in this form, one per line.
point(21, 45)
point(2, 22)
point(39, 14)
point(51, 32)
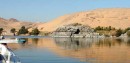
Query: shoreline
point(11, 36)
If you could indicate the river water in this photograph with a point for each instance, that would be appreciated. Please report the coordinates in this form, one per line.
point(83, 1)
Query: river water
point(73, 50)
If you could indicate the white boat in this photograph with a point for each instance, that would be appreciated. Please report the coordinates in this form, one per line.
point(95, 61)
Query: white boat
point(12, 40)
point(6, 54)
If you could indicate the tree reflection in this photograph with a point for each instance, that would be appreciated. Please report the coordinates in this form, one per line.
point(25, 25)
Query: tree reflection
point(119, 41)
point(35, 40)
point(79, 43)
point(128, 42)
point(105, 42)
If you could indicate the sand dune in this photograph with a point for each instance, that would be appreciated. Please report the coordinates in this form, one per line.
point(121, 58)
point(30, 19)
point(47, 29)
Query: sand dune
point(115, 17)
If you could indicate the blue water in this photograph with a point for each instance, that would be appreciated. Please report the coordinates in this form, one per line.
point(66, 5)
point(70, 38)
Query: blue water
point(43, 56)
point(73, 50)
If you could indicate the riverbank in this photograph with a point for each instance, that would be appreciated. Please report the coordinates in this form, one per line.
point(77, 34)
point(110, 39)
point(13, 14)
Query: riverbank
point(10, 36)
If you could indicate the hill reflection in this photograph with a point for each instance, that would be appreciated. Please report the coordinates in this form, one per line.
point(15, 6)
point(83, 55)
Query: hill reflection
point(89, 50)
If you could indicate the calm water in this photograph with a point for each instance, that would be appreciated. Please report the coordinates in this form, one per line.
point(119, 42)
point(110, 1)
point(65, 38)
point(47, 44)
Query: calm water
point(73, 50)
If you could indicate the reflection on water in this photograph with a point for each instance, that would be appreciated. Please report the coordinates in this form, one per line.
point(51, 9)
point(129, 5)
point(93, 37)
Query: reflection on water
point(73, 43)
point(73, 50)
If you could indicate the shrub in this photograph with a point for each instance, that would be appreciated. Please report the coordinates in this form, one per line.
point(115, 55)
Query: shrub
point(35, 32)
point(13, 30)
point(128, 33)
point(1, 30)
point(98, 28)
point(75, 24)
point(119, 32)
point(126, 29)
point(23, 30)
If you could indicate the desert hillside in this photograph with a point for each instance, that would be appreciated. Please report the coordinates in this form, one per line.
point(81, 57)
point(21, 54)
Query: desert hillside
point(8, 24)
point(115, 17)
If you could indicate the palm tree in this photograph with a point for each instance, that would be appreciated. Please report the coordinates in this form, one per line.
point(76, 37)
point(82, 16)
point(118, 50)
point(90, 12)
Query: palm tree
point(13, 30)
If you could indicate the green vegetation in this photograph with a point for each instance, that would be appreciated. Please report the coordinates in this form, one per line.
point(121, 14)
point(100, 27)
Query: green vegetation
point(127, 29)
point(13, 30)
point(75, 24)
point(1, 30)
point(111, 31)
point(128, 33)
point(23, 30)
point(99, 28)
point(107, 31)
point(35, 32)
point(118, 32)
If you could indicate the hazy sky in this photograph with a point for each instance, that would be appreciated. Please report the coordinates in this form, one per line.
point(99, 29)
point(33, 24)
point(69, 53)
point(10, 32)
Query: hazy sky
point(46, 10)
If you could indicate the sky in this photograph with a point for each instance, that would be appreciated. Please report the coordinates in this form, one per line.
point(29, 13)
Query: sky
point(47, 10)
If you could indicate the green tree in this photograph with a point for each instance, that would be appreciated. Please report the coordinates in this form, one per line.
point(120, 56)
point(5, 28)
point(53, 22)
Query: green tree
point(1, 30)
point(23, 30)
point(13, 30)
point(109, 28)
point(35, 32)
point(98, 28)
point(126, 29)
point(118, 32)
point(128, 33)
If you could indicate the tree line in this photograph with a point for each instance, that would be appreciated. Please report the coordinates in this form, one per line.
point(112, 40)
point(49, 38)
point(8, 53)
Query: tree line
point(22, 30)
point(99, 28)
point(118, 32)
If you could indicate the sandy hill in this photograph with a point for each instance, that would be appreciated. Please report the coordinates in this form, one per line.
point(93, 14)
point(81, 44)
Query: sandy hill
point(115, 17)
point(8, 24)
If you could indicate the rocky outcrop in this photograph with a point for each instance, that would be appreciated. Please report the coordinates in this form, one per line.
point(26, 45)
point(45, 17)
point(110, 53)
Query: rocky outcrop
point(74, 30)
point(76, 27)
point(13, 20)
